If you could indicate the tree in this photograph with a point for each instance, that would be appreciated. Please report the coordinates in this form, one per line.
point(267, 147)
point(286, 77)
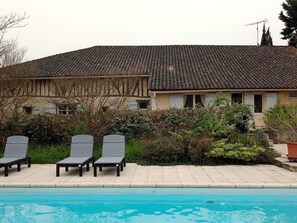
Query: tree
point(10, 53)
point(96, 100)
point(289, 16)
point(266, 37)
point(12, 76)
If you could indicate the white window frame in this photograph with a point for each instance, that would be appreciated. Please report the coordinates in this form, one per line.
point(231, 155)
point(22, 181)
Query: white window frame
point(202, 96)
point(67, 110)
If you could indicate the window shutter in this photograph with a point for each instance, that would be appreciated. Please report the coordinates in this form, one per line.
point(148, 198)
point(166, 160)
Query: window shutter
point(176, 101)
point(210, 97)
point(271, 100)
point(249, 100)
point(132, 105)
point(35, 110)
point(51, 108)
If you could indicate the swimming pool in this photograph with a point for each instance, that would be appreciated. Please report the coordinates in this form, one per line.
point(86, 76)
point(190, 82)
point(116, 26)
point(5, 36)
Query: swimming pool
point(147, 205)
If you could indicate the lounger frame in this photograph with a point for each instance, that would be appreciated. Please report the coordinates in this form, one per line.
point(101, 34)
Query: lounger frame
point(113, 149)
point(18, 146)
point(81, 148)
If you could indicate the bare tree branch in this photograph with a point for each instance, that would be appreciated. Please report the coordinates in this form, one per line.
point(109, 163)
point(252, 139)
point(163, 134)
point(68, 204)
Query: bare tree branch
point(12, 77)
point(9, 51)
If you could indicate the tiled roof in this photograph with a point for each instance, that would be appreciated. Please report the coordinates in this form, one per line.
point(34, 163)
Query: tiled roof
point(182, 67)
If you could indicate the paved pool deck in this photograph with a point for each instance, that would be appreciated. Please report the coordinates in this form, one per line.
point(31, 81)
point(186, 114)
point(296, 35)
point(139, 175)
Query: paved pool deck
point(229, 176)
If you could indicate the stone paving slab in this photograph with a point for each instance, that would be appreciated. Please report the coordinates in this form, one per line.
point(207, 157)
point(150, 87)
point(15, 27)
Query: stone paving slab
point(229, 176)
point(283, 161)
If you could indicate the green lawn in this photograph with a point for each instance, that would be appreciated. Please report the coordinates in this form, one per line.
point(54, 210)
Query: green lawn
point(51, 154)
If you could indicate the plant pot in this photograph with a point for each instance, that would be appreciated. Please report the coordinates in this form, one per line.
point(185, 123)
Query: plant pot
point(292, 151)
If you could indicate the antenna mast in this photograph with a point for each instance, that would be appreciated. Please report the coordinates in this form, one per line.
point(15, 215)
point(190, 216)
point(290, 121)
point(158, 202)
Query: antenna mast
point(257, 23)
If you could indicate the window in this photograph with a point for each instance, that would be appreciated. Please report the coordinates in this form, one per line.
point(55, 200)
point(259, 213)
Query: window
point(28, 110)
point(258, 103)
point(143, 104)
point(192, 101)
point(65, 109)
point(236, 98)
point(293, 95)
point(189, 101)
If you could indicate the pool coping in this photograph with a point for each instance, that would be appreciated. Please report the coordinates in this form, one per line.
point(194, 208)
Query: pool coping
point(137, 176)
point(234, 186)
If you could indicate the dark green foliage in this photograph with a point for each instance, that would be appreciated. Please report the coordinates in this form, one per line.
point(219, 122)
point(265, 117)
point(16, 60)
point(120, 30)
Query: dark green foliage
point(257, 138)
point(248, 140)
point(50, 129)
point(175, 136)
point(214, 124)
point(289, 17)
point(162, 150)
point(8, 128)
point(131, 124)
point(266, 39)
point(173, 120)
point(198, 147)
point(267, 156)
point(220, 119)
point(239, 115)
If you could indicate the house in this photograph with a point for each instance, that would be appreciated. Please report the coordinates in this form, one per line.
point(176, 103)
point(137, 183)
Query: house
point(163, 77)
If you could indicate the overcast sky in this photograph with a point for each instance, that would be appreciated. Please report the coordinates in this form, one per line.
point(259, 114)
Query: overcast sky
point(57, 26)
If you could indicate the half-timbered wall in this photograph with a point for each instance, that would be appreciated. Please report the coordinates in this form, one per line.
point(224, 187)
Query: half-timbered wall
point(127, 86)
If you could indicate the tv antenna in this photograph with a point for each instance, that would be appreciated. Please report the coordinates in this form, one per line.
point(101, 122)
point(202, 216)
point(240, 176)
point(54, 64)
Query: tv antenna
point(257, 23)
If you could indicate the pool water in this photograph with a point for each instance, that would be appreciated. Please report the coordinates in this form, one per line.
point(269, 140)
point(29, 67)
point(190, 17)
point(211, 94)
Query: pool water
point(147, 205)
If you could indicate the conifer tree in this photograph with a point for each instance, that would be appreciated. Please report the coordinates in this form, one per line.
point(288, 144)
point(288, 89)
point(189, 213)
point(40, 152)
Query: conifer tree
point(289, 16)
point(266, 37)
point(263, 39)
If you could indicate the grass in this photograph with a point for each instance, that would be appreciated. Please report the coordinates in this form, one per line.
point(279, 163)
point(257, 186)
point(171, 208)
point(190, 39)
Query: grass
point(43, 154)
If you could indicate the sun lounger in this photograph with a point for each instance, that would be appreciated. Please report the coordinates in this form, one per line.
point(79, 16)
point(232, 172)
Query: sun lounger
point(113, 153)
point(15, 153)
point(81, 154)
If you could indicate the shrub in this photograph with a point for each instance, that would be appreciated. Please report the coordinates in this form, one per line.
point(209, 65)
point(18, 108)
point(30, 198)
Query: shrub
point(213, 123)
point(257, 138)
point(132, 124)
point(173, 120)
point(240, 115)
point(50, 129)
point(8, 128)
point(220, 118)
point(162, 150)
point(234, 153)
point(282, 119)
point(246, 139)
point(198, 147)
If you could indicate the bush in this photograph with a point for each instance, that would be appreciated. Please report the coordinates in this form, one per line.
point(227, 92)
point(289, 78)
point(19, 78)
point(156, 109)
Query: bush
point(173, 120)
point(240, 115)
point(219, 119)
point(198, 147)
point(9, 128)
point(50, 129)
point(282, 119)
point(213, 123)
point(234, 153)
point(131, 124)
point(162, 150)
